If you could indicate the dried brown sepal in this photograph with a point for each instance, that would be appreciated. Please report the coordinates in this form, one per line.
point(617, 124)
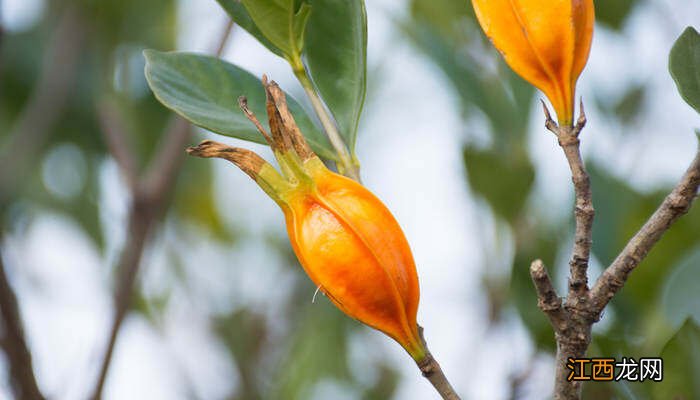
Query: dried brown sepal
point(243, 104)
point(282, 122)
point(246, 160)
point(281, 141)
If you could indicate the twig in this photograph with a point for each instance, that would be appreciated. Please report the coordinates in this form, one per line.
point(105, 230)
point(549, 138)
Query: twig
point(13, 343)
point(159, 177)
point(225, 35)
point(431, 370)
point(141, 219)
point(149, 197)
point(673, 207)
point(518, 380)
point(547, 299)
point(573, 320)
point(113, 130)
point(572, 331)
point(583, 211)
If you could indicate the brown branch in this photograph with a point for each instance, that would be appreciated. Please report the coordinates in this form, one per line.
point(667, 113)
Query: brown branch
point(225, 35)
point(572, 331)
point(518, 380)
point(150, 193)
point(141, 219)
point(583, 211)
point(673, 207)
point(431, 370)
point(149, 198)
point(113, 128)
point(149, 202)
point(159, 176)
point(572, 322)
point(547, 299)
point(14, 344)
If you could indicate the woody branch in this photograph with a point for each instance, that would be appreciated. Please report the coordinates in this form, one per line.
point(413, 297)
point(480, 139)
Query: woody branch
point(572, 319)
point(149, 200)
point(29, 133)
point(675, 205)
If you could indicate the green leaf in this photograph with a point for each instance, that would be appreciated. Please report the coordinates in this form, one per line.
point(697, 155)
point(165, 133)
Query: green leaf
point(336, 57)
point(205, 91)
point(684, 64)
point(282, 22)
point(681, 366)
point(238, 13)
point(679, 299)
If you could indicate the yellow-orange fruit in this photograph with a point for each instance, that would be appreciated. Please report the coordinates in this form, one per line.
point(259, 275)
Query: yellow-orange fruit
point(346, 239)
point(354, 250)
point(545, 41)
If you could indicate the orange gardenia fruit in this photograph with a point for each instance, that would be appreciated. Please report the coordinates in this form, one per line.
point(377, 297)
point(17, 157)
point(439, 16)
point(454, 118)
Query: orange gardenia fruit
point(346, 239)
point(546, 42)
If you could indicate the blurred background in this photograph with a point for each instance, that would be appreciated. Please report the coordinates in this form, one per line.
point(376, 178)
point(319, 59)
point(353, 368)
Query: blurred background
point(450, 139)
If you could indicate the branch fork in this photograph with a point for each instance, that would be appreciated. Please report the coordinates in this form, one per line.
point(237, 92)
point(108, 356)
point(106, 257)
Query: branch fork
point(572, 318)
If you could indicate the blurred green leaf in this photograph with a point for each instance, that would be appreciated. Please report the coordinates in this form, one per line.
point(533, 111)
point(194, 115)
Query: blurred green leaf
point(205, 90)
point(153, 307)
point(684, 64)
point(445, 15)
point(507, 194)
point(282, 22)
point(631, 104)
point(152, 23)
point(336, 57)
point(237, 11)
point(194, 199)
point(681, 365)
point(317, 350)
point(503, 97)
point(244, 333)
point(614, 13)
point(679, 297)
point(20, 65)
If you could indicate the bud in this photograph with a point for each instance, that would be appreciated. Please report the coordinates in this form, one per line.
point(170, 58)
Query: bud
point(348, 242)
point(545, 41)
